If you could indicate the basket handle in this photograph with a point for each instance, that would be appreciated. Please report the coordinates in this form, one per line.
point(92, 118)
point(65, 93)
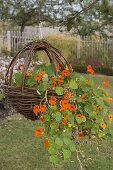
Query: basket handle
point(53, 54)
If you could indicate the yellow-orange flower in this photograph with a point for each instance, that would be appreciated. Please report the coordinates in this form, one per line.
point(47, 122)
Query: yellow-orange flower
point(38, 132)
point(66, 68)
point(109, 99)
point(27, 73)
point(20, 67)
point(103, 125)
point(110, 117)
point(99, 107)
point(106, 83)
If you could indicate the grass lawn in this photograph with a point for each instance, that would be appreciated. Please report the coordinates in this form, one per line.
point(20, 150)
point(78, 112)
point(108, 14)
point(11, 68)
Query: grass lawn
point(19, 150)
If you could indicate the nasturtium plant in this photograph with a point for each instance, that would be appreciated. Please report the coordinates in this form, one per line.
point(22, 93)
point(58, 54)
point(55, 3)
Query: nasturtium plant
point(75, 110)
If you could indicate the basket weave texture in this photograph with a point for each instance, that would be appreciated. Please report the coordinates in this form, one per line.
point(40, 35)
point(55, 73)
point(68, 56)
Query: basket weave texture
point(23, 99)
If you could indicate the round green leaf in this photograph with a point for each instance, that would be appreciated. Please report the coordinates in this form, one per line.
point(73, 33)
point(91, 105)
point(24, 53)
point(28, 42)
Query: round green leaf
point(58, 116)
point(53, 158)
point(59, 141)
point(72, 147)
point(67, 141)
point(89, 109)
point(66, 154)
point(79, 120)
point(45, 78)
point(59, 90)
point(83, 119)
point(73, 85)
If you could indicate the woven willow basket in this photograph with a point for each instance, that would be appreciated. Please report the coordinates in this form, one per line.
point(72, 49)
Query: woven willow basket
point(23, 99)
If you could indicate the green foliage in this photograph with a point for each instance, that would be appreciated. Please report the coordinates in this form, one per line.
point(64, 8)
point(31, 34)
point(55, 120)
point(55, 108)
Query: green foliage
point(18, 78)
point(74, 104)
point(100, 70)
point(1, 94)
point(59, 90)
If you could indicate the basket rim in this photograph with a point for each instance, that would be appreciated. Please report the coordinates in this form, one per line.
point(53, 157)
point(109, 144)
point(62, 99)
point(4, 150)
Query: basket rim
point(27, 92)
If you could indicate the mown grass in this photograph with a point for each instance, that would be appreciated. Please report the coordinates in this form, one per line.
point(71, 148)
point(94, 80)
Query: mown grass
point(20, 150)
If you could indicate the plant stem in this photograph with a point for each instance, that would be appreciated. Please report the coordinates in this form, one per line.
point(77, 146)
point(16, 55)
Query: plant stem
point(80, 163)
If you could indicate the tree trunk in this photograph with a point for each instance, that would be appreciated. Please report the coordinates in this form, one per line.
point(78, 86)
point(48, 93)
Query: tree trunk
point(22, 29)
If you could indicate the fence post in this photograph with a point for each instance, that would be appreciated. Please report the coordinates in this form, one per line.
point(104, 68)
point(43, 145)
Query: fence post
point(8, 40)
point(78, 46)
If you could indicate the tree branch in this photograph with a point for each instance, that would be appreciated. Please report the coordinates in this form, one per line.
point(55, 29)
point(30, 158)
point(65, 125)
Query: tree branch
point(86, 8)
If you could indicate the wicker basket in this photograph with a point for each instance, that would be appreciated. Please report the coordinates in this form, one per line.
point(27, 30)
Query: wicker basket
point(23, 99)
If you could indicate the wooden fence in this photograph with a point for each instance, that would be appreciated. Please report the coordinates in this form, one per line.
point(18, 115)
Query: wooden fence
point(95, 49)
point(13, 40)
point(90, 48)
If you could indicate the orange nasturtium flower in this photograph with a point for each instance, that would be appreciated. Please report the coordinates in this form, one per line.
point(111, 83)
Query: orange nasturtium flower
point(52, 100)
point(39, 109)
point(103, 125)
point(42, 108)
point(68, 95)
point(110, 117)
point(90, 69)
point(36, 109)
point(106, 83)
point(80, 134)
point(83, 96)
point(64, 121)
point(42, 118)
point(38, 132)
point(39, 76)
point(27, 73)
point(54, 84)
point(53, 79)
point(79, 116)
point(58, 67)
point(71, 107)
point(64, 104)
point(65, 73)
point(60, 79)
point(46, 143)
point(20, 67)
